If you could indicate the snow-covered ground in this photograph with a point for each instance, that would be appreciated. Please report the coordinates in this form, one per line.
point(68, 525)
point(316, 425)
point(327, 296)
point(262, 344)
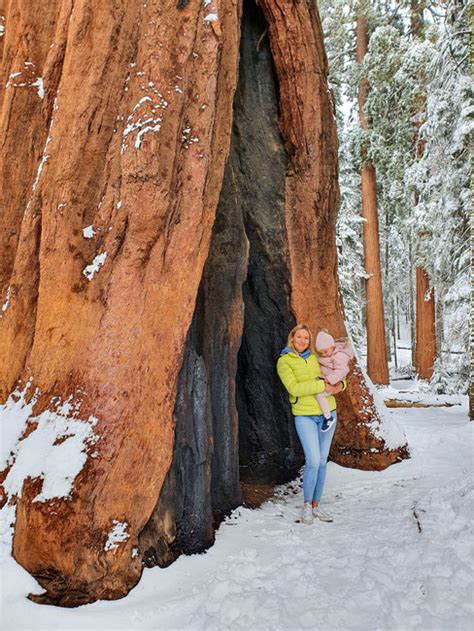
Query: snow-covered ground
point(398, 556)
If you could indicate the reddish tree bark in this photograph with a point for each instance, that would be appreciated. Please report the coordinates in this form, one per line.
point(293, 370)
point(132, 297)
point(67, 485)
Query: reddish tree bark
point(425, 351)
point(126, 93)
point(425, 322)
point(471, 339)
point(130, 141)
point(377, 366)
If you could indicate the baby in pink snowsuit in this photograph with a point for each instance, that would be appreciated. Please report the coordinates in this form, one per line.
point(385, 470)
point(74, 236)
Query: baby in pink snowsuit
point(334, 358)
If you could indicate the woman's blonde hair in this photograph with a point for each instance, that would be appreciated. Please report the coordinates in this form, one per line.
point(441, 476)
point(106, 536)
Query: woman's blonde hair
point(301, 327)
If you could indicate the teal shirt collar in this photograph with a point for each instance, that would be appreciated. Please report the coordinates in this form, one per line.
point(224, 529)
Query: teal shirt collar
point(305, 354)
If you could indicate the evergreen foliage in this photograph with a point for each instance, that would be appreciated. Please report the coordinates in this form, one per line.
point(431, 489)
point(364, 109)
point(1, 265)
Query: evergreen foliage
point(442, 179)
point(419, 105)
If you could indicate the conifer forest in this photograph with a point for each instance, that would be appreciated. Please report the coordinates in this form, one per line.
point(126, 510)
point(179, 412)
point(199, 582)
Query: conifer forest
point(403, 93)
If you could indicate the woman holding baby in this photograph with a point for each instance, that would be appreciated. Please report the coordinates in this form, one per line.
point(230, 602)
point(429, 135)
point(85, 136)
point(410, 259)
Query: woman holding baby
point(312, 379)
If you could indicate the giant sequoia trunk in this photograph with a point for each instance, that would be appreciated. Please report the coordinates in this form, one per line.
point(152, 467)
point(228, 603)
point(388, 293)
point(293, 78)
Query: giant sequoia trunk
point(425, 328)
point(425, 348)
point(377, 365)
point(155, 251)
point(471, 340)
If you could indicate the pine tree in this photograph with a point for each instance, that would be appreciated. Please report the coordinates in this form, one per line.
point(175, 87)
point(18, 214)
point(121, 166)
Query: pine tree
point(338, 18)
point(377, 367)
point(420, 95)
point(425, 339)
point(441, 181)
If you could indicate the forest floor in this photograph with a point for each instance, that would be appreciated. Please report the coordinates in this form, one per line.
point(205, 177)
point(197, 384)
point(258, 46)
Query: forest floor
point(398, 556)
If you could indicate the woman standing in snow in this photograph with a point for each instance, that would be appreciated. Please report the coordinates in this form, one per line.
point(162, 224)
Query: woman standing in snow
point(300, 372)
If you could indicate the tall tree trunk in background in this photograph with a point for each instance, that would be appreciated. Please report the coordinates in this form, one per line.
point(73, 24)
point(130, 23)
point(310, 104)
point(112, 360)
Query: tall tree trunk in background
point(425, 346)
point(416, 16)
point(439, 336)
point(425, 350)
point(471, 334)
point(425, 331)
point(150, 278)
point(394, 331)
point(389, 310)
point(377, 366)
point(412, 307)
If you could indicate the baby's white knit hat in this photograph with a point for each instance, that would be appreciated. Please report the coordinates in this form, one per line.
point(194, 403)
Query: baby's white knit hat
point(324, 340)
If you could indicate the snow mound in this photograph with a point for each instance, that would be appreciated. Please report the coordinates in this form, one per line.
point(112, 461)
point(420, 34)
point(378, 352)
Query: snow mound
point(55, 450)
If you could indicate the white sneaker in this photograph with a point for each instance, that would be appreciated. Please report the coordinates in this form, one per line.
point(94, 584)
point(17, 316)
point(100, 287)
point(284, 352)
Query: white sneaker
point(320, 514)
point(307, 514)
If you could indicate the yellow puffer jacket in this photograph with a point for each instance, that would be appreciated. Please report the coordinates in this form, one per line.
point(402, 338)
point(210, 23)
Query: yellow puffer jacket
point(301, 378)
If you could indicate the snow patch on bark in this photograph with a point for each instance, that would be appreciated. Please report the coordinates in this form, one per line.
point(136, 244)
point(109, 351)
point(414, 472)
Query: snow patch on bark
point(88, 232)
point(7, 526)
point(384, 427)
point(151, 122)
point(117, 535)
point(186, 137)
point(7, 302)
point(94, 267)
point(28, 76)
point(144, 99)
point(44, 159)
point(142, 132)
point(13, 417)
point(55, 451)
point(40, 87)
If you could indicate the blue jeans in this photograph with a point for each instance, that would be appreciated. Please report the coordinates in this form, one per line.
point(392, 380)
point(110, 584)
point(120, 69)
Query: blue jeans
point(316, 446)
